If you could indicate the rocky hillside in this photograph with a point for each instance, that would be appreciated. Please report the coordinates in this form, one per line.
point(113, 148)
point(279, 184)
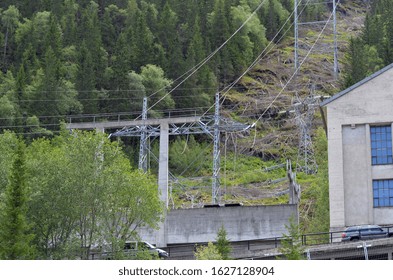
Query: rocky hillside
point(271, 87)
point(254, 170)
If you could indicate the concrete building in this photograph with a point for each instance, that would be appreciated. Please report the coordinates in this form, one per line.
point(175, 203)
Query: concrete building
point(360, 121)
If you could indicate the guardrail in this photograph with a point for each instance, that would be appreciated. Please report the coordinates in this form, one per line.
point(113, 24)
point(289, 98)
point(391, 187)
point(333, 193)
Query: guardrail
point(127, 116)
point(179, 251)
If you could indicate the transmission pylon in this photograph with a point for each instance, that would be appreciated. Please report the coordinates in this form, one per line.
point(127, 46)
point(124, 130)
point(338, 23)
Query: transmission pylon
point(297, 23)
point(304, 112)
point(163, 128)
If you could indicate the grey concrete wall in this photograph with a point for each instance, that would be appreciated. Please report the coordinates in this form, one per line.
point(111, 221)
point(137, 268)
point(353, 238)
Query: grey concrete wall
point(241, 223)
point(356, 176)
point(350, 169)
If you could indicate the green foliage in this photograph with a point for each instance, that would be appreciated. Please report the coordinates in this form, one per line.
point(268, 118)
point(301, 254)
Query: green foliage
point(222, 244)
point(79, 54)
point(9, 20)
point(209, 252)
point(70, 193)
point(291, 244)
point(218, 251)
point(373, 48)
point(8, 144)
point(15, 234)
point(320, 218)
point(187, 156)
point(156, 85)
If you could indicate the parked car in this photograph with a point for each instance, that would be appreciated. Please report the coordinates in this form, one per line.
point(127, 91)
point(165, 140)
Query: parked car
point(362, 232)
point(131, 246)
point(130, 249)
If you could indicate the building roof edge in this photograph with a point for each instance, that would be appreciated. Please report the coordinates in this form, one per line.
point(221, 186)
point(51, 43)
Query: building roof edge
point(358, 84)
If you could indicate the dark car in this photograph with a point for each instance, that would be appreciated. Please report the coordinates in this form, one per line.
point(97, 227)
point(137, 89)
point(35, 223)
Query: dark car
point(362, 232)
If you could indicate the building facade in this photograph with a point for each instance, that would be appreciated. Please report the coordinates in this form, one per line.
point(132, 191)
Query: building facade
point(360, 125)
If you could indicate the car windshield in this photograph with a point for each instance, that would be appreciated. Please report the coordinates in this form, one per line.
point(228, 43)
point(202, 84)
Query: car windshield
point(149, 245)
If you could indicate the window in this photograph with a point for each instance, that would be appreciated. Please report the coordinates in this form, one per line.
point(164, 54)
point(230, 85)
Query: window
point(381, 145)
point(383, 193)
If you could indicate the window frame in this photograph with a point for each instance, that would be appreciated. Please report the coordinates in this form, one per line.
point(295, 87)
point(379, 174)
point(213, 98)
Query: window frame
point(382, 193)
point(381, 145)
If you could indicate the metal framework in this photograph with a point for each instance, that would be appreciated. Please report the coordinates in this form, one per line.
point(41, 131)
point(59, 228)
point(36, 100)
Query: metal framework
point(297, 3)
point(304, 112)
point(210, 125)
point(204, 125)
point(143, 143)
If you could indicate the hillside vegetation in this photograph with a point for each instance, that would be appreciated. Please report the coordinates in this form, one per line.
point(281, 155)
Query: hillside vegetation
point(74, 57)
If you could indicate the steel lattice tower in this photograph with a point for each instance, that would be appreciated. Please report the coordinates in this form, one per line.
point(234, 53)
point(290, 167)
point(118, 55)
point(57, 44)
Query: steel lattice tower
point(304, 111)
point(297, 4)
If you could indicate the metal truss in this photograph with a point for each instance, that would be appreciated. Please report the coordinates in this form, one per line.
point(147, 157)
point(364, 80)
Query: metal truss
point(205, 125)
point(210, 125)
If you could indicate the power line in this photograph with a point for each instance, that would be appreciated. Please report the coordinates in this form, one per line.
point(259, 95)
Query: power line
point(203, 62)
point(297, 69)
point(258, 59)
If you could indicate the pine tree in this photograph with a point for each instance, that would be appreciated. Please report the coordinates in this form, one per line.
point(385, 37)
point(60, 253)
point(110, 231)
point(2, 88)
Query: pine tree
point(143, 42)
point(356, 65)
point(223, 245)
point(291, 244)
point(85, 83)
point(15, 240)
point(220, 32)
point(171, 41)
point(68, 22)
point(10, 20)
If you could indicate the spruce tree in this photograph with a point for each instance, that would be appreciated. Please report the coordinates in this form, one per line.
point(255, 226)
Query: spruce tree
point(15, 240)
point(223, 246)
point(291, 244)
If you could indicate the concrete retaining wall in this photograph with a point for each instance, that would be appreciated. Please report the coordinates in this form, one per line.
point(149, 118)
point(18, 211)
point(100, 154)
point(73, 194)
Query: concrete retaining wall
point(241, 223)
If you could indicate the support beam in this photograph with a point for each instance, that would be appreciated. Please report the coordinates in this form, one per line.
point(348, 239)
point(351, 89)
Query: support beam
point(142, 164)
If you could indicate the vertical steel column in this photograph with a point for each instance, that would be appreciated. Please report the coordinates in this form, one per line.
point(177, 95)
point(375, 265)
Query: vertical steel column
point(335, 40)
point(216, 153)
point(296, 31)
point(142, 164)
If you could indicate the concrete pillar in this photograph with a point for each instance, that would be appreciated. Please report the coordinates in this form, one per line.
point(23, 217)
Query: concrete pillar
point(163, 163)
point(163, 181)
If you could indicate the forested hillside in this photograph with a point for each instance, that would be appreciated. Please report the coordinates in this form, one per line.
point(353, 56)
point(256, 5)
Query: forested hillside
point(78, 56)
point(373, 49)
